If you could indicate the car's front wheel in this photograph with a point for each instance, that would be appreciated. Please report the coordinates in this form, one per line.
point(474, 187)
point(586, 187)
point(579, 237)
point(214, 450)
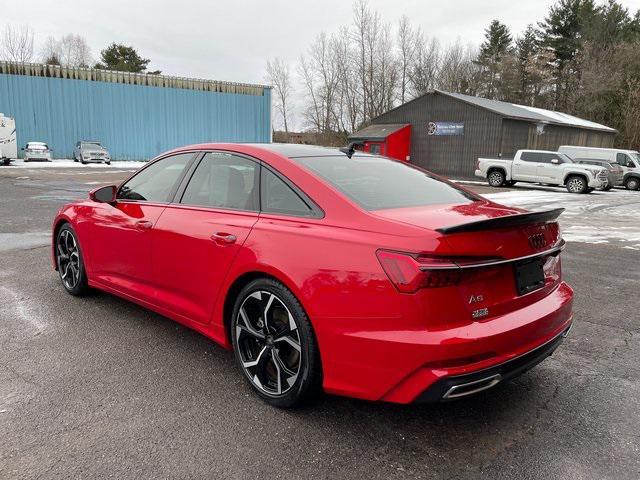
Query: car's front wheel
point(274, 344)
point(577, 184)
point(632, 183)
point(69, 260)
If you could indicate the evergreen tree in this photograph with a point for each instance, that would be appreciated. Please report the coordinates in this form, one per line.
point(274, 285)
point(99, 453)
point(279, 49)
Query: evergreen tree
point(496, 46)
point(562, 32)
point(122, 58)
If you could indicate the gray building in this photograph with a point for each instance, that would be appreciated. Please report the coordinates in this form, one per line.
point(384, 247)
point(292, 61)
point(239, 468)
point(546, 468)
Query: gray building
point(449, 131)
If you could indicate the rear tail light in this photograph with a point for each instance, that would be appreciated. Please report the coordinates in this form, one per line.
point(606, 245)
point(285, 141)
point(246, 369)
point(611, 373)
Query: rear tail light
point(478, 164)
point(409, 273)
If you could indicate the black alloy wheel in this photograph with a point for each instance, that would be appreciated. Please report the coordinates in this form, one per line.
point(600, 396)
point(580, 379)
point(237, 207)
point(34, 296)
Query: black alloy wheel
point(69, 261)
point(274, 344)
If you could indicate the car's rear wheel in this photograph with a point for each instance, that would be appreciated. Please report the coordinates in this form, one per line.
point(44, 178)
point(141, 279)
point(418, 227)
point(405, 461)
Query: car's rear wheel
point(274, 344)
point(632, 183)
point(496, 178)
point(69, 260)
point(576, 184)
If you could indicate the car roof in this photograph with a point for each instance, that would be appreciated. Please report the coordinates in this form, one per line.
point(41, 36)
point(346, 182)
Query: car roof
point(296, 150)
point(287, 150)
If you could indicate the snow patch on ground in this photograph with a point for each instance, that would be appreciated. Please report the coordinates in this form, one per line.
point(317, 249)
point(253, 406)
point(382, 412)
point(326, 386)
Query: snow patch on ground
point(66, 163)
point(597, 218)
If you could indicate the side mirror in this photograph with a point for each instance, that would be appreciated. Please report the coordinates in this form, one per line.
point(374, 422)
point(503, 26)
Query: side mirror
point(555, 161)
point(104, 194)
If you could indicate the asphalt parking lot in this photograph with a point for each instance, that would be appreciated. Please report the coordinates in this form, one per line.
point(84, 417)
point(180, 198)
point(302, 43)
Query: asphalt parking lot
point(99, 387)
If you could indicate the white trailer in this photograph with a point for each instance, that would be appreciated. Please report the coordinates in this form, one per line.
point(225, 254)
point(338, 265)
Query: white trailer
point(8, 145)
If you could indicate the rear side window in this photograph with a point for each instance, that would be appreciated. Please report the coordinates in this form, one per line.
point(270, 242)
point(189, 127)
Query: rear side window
point(224, 180)
point(377, 183)
point(277, 197)
point(157, 181)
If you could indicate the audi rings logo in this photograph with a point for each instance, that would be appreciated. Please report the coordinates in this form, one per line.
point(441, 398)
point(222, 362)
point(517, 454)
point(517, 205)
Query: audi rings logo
point(537, 241)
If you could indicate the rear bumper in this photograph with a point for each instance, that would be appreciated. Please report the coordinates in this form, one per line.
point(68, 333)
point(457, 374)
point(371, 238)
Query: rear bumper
point(404, 366)
point(460, 386)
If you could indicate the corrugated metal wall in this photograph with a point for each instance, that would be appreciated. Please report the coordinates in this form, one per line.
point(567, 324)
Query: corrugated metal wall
point(133, 121)
point(452, 156)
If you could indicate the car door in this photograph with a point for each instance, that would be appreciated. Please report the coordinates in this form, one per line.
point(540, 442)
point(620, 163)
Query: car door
point(625, 161)
point(549, 168)
point(120, 233)
point(198, 236)
point(526, 167)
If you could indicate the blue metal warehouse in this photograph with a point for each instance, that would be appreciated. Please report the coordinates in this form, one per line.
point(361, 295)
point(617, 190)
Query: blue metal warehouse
point(136, 116)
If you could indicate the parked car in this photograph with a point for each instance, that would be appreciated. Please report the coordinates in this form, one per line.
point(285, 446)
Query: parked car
point(538, 166)
point(629, 160)
point(616, 173)
point(365, 276)
point(90, 151)
point(37, 151)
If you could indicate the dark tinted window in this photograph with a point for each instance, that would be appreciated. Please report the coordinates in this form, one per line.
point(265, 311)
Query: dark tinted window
point(538, 157)
point(156, 182)
point(623, 159)
point(224, 180)
point(277, 197)
point(377, 183)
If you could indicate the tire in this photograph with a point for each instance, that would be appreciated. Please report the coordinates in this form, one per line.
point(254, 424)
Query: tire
point(496, 178)
point(607, 188)
point(281, 363)
point(108, 163)
point(75, 159)
point(576, 184)
point(632, 183)
point(70, 263)
point(83, 162)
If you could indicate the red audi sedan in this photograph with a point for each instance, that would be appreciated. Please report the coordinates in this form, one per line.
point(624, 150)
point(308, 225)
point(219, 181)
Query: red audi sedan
point(322, 270)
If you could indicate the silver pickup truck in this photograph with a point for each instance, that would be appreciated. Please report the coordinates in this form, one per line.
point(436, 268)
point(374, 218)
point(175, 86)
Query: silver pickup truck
point(538, 166)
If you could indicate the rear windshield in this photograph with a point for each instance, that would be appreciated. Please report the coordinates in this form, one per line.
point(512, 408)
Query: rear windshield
point(377, 183)
point(37, 146)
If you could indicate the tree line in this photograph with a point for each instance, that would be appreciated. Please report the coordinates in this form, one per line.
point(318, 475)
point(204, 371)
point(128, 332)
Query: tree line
point(581, 58)
point(71, 50)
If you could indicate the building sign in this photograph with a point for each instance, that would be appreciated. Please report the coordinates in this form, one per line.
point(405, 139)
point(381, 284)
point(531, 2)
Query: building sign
point(445, 128)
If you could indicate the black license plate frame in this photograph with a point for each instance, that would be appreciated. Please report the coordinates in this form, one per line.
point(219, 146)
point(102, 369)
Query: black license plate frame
point(529, 275)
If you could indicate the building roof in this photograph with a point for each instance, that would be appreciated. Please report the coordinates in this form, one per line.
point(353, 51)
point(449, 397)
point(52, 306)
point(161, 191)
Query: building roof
point(379, 131)
point(523, 112)
point(145, 79)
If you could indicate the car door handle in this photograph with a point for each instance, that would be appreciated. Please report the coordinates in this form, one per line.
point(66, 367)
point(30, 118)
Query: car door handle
point(222, 238)
point(144, 225)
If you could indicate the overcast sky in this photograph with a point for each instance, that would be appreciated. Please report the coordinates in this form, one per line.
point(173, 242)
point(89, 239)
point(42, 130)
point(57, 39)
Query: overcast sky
point(231, 40)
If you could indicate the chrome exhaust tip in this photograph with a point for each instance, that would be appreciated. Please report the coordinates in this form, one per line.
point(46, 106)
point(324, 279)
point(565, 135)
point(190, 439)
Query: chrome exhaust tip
point(469, 388)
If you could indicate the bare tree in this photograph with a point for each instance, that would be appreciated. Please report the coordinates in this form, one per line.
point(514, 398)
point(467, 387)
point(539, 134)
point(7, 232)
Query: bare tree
point(17, 44)
point(407, 44)
point(71, 50)
point(458, 71)
point(425, 68)
point(278, 76)
point(74, 51)
point(50, 52)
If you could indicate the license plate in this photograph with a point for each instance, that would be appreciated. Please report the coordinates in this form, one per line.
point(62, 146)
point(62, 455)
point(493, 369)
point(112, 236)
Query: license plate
point(529, 275)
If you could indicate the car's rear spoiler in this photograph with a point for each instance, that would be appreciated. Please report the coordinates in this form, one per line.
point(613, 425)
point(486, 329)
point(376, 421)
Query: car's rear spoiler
point(504, 222)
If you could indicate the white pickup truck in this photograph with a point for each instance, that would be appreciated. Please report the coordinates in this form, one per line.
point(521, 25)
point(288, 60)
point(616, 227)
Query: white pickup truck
point(538, 166)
